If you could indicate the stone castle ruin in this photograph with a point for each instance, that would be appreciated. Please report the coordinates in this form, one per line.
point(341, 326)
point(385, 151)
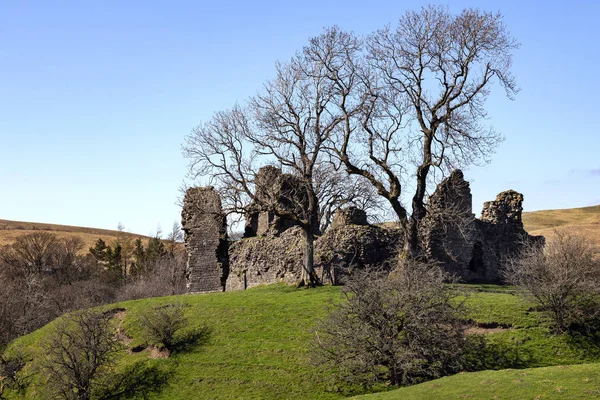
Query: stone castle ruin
point(271, 251)
point(280, 191)
point(472, 249)
point(206, 243)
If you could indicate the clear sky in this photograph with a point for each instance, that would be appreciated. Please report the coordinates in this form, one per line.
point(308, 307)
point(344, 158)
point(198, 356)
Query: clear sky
point(96, 98)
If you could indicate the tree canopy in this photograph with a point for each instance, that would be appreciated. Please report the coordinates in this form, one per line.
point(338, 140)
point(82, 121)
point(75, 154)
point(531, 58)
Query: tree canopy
point(395, 110)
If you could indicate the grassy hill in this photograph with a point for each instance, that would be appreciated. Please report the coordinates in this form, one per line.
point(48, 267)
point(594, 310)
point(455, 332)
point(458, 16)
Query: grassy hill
point(259, 347)
point(10, 230)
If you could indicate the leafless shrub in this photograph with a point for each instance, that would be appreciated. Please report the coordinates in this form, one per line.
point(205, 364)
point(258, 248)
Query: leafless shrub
point(562, 277)
point(10, 372)
point(23, 305)
point(160, 324)
point(79, 354)
point(80, 294)
point(401, 329)
point(164, 277)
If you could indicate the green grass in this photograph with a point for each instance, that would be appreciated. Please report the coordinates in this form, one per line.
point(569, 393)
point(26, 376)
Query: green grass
point(259, 348)
point(559, 382)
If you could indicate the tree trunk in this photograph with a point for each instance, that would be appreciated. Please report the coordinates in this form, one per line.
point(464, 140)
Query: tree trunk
point(411, 247)
point(309, 277)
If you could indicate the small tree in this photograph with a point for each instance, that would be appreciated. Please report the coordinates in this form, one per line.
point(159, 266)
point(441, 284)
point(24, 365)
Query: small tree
point(79, 354)
point(161, 324)
point(562, 277)
point(174, 238)
point(99, 251)
point(402, 329)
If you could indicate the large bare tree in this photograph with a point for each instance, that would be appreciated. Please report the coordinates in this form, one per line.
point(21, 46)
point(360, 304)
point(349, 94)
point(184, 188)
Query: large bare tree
point(287, 124)
point(424, 89)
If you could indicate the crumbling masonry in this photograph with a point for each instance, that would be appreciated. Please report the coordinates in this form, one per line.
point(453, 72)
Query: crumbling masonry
point(206, 242)
point(471, 249)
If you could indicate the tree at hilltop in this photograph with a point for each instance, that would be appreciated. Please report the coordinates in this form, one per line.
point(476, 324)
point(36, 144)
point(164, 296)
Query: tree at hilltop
point(396, 109)
point(423, 93)
point(287, 124)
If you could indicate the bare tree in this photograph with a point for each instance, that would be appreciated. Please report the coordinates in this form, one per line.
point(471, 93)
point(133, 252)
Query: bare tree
point(124, 242)
point(562, 277)
point(174, 238)
point(42, 277)
point(401, 329)
point(32, 253)
point(287, 124)
point(423, 96)
point(10, 372)
point(24, 304)
point(336, 189)
point(164, 276)
point(79, 354)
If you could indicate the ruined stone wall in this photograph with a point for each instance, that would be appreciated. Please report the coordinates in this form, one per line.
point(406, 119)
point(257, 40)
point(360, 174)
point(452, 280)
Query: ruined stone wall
point(448, 225)
point(277, 194)
point(349, 216)
point(346, 245)
point(472, 249)
point(266, 259)
point(206, 243)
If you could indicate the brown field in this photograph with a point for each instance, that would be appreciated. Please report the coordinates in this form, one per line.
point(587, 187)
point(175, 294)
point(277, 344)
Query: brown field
point(9, 230)
point(584, 221)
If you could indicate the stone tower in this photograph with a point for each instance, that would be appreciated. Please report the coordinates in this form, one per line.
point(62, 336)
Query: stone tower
point(206, 243)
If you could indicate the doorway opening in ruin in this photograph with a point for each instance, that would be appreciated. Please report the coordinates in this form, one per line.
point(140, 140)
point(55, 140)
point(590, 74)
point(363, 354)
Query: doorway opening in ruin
point(476, 264)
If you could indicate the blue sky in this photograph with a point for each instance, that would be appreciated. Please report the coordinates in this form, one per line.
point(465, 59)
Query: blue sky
point(97, 97)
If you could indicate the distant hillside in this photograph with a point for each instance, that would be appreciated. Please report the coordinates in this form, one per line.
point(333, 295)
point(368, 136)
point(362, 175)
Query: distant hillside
point(10, 230)
point(585, 221)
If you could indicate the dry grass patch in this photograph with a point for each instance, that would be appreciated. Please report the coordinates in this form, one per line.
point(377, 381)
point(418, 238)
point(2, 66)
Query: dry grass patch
point(583, 221)
point(10, 230)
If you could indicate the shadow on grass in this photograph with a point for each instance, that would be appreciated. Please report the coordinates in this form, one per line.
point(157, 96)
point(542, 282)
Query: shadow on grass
point(138, 381)
point(585, 338)
point(481, 354)
point(144, 379)
point(191, 340)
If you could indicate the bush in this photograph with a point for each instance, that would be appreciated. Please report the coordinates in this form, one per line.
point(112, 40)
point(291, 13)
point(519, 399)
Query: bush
point(159, 325)
point(79, 354)
point(562, 277)
point(399, 330)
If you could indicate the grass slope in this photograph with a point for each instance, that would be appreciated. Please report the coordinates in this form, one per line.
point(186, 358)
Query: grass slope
point(560, 382)
point(259, 348)
point(10, 230)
